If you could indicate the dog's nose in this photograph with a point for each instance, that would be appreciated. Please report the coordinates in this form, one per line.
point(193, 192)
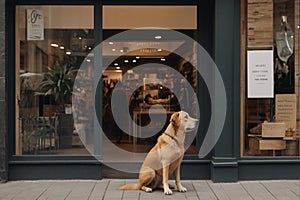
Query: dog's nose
point(196, 120)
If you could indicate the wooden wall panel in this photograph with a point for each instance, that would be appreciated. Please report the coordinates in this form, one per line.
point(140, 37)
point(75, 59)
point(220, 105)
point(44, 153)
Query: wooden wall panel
point(243, 47)
point(260, 23)
point(296, 52)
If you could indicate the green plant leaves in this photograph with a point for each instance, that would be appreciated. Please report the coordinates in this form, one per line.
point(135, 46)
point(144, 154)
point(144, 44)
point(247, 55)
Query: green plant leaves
point(58, 82)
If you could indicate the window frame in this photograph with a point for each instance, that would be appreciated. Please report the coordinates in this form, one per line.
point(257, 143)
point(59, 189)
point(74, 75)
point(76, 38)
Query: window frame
point(206, 41)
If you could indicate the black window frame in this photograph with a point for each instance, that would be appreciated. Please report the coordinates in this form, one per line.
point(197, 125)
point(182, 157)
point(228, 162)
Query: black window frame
point(205, 38)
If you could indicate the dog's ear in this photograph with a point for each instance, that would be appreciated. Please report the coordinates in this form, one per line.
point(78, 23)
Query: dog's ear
point(175, 119)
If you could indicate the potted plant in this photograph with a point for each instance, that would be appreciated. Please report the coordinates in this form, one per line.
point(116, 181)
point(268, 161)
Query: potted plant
point(58, 83)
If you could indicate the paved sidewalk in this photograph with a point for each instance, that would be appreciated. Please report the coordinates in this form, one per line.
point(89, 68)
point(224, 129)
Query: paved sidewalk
point(107, 189)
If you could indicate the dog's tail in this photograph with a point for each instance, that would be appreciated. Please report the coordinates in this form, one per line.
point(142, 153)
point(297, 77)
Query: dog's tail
point(131, 186)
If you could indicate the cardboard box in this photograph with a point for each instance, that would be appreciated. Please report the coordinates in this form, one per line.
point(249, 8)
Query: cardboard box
point(254, 148)
point(272, 144)
point(273, 130)
point(265, 147)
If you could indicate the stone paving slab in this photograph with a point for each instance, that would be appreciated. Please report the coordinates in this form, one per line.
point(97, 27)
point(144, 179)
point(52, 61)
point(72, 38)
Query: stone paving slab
point(107, 189)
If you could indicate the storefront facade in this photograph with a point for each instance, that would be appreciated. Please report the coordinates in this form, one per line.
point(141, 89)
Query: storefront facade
point(41, 128)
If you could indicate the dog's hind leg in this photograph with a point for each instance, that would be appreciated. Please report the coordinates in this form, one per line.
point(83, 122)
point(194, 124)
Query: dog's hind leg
point(146, 177)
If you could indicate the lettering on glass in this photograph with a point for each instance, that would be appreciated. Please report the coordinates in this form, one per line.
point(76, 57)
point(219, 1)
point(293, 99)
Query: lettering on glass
point(35, 24)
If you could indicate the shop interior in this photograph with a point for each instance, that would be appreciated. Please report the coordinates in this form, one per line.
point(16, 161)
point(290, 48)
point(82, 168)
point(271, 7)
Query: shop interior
point(45, 124)
point(157, 87)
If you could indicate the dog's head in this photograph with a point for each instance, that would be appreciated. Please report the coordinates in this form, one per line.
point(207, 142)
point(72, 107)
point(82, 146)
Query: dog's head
point(182, 120)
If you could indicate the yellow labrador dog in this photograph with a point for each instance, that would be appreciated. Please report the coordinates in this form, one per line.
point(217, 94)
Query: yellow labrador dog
point(165, 157)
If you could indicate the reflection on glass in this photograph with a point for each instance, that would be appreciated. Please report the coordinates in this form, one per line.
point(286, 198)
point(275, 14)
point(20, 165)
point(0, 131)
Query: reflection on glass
point(46, 68)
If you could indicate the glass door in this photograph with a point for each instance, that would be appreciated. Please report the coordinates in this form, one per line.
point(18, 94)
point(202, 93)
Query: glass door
point(148, 73)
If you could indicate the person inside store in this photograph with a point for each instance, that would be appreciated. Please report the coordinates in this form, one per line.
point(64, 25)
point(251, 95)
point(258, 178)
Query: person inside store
point(151, 101)
point(121, 112)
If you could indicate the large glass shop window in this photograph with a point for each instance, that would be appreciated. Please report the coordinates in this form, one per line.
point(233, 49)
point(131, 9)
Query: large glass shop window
point(51, 43)
point(144, 66)
point(270, 110)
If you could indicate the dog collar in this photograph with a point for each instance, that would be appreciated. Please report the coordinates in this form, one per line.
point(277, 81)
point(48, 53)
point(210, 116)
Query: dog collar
point(169, 135)
point(173, 138)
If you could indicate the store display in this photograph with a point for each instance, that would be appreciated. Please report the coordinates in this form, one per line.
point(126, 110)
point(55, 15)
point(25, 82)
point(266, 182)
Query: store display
point(284, 60)
point(273, 130)
point(284, 44)
point(272, 124)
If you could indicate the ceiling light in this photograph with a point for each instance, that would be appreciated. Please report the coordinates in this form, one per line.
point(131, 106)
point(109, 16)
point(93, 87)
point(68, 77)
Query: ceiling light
point(121, 50)
point(163, 59)
point(159, 49)
point(68, 52)
point(54, 45)
point(80, 38)
point(298, 26)
point(62, 47)
point(110, 43)
point(88, 60)
point(137, 57)
point(158, 37)
point(118, 67)
point(116, 64)
point(134, 61)
point(126, 61)
point(113, 49)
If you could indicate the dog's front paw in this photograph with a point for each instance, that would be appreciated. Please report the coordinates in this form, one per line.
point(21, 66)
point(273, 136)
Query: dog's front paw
point(168, 191)
point(182, 189)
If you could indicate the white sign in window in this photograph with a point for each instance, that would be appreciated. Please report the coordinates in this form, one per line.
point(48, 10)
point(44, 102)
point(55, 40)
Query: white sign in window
point(260, 74)
point(35, 24)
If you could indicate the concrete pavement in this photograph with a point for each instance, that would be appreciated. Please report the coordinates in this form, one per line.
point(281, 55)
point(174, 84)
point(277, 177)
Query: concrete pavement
point(108, 189)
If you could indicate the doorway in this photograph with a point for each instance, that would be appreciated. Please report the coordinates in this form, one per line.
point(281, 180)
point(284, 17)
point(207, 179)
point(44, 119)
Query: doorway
point(145, 64)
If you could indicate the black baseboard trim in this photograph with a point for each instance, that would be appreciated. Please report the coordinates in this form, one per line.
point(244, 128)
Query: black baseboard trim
point(224, 170)
point(269, 169)
point(217, 170)
point(190, 170)
point(55, 171)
